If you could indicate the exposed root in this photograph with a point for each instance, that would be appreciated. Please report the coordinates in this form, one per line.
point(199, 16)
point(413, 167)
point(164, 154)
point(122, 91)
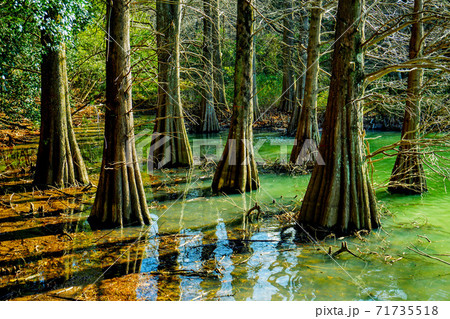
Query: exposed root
point(344, 248)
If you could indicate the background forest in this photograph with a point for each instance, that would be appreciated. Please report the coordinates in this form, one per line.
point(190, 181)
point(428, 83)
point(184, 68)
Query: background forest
point(21, 51)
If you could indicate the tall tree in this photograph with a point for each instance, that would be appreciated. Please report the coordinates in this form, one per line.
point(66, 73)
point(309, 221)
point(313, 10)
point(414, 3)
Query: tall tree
point(287, 100)
point(219, 83)
point(59, 160)
point(301, 76)
point(170, 145)
point(120, 198)
point(339, 196)
point(308, 128)
point(408, 176)
point(237, 171)
point(208, 117)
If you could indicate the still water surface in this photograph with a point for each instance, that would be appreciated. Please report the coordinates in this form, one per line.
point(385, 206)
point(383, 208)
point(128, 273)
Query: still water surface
point(201, 246)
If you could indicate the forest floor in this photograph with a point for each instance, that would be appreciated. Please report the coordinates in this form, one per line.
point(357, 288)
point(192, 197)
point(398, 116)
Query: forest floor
point(16, 133)
point(47, 254)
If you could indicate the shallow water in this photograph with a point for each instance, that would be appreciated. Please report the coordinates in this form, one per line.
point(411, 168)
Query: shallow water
point(202, 247)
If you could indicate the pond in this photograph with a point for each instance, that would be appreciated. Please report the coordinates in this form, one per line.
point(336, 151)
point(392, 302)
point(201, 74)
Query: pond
point(203, 246)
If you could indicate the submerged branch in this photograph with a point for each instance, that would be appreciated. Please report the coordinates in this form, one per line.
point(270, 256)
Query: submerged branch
point(417, 251)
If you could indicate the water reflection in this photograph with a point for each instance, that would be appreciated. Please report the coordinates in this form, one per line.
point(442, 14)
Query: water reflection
point(204, 247)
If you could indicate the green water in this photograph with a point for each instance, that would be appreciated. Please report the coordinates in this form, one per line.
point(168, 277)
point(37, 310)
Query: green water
point(220, 255)
point(284, 270)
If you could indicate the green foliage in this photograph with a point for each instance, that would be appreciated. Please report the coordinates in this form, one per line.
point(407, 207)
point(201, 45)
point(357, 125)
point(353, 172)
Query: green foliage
point(143, 58)
point(61, 19)
point(86, 59)
point(269, 88)
point(268, 54)
point(19, 63)
point(322, 99)
point(22, 22)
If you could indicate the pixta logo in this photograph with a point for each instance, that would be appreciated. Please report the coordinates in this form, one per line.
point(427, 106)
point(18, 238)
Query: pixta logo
point(146, 145)
point(155, 150)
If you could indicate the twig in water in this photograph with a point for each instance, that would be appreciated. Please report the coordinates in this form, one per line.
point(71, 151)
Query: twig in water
point(417, 251)
point(422, 236)
point(256, 207)
point(60, 191)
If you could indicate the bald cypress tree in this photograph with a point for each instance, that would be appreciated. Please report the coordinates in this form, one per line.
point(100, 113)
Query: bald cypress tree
point(219, 82)
point(301, 75)
point(287, 100)
point(408, 176)
point(120, 198)
point(59, 161)
point(339, 196)
point(208, 118)
point(308, 128)
point(170, 145)
point(236, 171)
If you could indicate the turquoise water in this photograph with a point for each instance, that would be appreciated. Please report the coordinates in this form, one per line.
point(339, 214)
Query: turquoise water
point(272, 266)
point(203, 247)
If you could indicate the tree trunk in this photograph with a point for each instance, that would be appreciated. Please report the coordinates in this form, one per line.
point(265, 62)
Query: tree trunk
point(170, 145)
point(408, 176)
point(209, 122)
point(236, 171)
point(219, 83)
point(59, 160)
point(120, 198)
point(287, 101)
point(339, 197)
point(302, 57)
point(295, 116)
point(308, 128)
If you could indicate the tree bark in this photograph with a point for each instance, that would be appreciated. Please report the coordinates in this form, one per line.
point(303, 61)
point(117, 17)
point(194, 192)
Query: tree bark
point(339, 197)
point(237, 171)
point(59, 160)
point(220, 100)
point(308, 128)
point(170, 145)
point(120, 198)
point(287, 101)
point(208, 117)
point(408, 176)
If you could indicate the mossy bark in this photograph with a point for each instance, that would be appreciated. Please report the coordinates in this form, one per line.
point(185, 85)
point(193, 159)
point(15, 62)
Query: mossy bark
point(339, 197)
point(120, 198)
point(408, 176)
point(208, 118)
point(237, 171)
point(59, 161)
point(170, 145)
point(308, 128)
